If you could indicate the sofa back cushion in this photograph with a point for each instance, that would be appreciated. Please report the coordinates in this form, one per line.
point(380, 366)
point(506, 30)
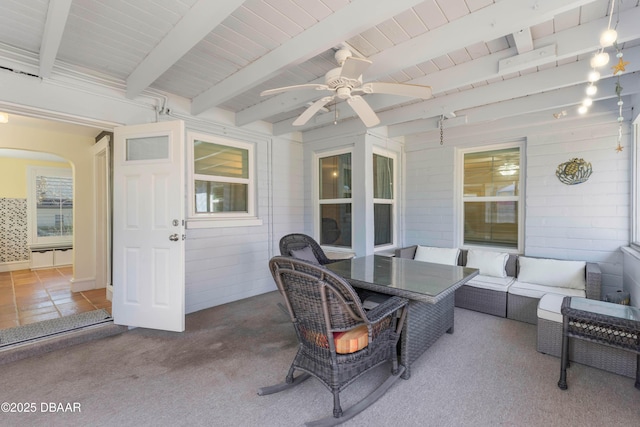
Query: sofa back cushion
point(488, 262)
point(437, 255)
point(552, 272)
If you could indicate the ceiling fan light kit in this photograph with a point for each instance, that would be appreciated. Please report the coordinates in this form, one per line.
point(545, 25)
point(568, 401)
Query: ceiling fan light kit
point(346, 83)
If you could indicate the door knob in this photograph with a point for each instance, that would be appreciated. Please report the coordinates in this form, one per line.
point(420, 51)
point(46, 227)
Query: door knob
point(174, 238)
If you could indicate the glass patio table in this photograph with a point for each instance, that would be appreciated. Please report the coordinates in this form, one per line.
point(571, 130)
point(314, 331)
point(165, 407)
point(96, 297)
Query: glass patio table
point(429, 288)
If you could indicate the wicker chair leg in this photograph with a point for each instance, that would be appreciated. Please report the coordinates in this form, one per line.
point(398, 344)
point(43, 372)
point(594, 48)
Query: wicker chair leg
point(263, 391)
point(289, 378)
point(637, 384)
point(337, 409)
point(360, 406)
point(394, 365)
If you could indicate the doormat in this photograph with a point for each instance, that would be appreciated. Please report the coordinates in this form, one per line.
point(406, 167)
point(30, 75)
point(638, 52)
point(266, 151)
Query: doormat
point(34, 331)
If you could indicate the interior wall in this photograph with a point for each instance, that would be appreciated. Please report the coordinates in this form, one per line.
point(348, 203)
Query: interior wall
point(76, 149)
point(13, 207)
point(13, 175)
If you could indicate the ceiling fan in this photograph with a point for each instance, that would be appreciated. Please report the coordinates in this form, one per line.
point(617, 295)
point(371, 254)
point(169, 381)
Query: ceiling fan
point(346, 83)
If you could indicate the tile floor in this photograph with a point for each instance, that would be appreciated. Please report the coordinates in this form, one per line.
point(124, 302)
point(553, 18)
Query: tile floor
point(28, 296)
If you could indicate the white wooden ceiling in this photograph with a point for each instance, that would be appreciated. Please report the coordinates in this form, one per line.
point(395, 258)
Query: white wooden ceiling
point(484, 59)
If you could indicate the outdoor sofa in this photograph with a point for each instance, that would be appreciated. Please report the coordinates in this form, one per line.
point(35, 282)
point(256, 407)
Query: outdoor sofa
point(511, 285)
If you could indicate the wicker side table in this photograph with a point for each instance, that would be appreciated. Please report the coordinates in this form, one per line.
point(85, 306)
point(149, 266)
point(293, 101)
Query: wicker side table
point(600, 322)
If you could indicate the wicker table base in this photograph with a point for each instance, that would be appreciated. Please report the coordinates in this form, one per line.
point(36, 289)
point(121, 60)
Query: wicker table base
point(430, 289)
point(599, 322)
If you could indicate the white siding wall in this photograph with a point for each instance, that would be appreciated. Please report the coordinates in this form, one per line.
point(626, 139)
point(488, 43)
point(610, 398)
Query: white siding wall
point(588, 221)
point(288, 190)
point(429, 201)
point(231, 263)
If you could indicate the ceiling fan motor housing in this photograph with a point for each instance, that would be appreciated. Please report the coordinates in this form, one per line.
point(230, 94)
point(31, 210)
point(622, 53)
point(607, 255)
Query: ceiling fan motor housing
point(335, 80)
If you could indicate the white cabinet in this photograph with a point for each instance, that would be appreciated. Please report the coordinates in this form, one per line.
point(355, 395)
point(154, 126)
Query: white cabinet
point(51, 257)
point(62, 256)
point(41, 259)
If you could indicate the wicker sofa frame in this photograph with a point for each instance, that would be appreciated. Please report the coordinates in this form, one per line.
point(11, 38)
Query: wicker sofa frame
point(484, 300)
point(504, 304)
point(525, 308)
point(470, 297)
point(549, 333)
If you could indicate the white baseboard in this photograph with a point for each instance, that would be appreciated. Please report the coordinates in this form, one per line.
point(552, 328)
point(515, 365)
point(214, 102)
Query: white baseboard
point(14, 265)
point(79, 285)
point(110, 292)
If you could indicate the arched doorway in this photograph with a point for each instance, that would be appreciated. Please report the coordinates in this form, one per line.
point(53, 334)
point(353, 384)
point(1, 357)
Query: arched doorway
point(29, 293)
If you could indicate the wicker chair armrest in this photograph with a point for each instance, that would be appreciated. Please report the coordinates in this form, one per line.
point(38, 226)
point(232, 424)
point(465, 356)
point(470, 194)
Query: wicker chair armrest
point(386, 308)
point(408, 252)
point(593, 281)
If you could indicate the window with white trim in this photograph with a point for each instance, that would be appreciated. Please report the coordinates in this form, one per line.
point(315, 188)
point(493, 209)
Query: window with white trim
point(492, 198)
point(222, 185)
point(50, 206)
point(383, 199)
point(635, 185)
point(335, 200)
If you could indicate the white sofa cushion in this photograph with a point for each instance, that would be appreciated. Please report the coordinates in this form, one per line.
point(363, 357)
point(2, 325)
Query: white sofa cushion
point(533, 290)
point(488, 262)
point(437, 255)
point(549, 307)
point(552, 272)
point(500, 284)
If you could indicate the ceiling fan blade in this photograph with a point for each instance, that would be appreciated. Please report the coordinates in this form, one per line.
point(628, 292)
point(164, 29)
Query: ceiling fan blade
point(352, 68)
point(363, 110)
point(315, 86)
point(309, 112)
point(402, 89)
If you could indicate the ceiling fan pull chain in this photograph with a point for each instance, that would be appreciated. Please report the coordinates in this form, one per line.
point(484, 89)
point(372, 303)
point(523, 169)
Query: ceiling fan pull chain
point(441, 131)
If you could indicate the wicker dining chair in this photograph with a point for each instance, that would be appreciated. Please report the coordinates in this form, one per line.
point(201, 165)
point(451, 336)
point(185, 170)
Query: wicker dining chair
point(322, 305)
point(298, 241)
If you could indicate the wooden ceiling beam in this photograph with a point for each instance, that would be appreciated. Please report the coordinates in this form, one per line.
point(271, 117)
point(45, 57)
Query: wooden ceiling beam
point(348, 21)
point(195, 25)
point(57, 14)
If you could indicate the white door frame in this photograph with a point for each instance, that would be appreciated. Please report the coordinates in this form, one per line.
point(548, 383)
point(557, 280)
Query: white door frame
point(102, 200)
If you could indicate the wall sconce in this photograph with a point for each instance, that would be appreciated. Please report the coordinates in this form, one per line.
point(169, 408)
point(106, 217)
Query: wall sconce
point(4, 117)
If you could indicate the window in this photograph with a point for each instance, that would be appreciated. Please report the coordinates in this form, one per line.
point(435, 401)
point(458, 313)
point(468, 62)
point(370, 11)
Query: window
point(383, 199)
point(635, 183)
point(50, 206)
point(492, 198)
point(335, 200)
point(223, 184)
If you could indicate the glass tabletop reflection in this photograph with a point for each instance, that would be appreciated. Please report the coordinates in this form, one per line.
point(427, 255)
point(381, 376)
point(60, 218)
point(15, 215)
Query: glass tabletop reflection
point(402, 274)
point(606, 308)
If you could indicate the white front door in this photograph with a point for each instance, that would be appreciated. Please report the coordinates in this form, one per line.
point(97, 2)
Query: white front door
point(148, 226)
